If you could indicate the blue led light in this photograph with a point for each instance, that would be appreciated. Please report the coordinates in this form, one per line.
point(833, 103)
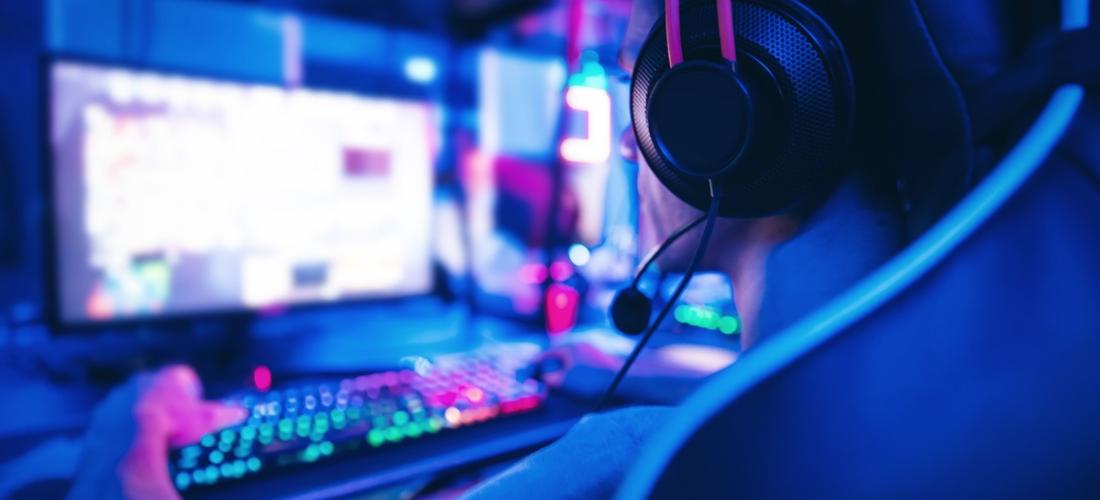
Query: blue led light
point(421, 70)
point(212, 473)
point(579, 255)
point(183, 481)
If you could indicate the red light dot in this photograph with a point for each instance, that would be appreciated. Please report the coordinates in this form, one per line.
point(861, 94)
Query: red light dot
point(261, 378)
point(562, 303)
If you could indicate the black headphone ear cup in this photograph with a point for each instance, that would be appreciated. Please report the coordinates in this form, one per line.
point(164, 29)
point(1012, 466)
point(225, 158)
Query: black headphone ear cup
point(631, 311)
point(798, 79)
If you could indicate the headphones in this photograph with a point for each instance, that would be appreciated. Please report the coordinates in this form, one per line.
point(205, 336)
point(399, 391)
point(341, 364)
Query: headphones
point(741, 108)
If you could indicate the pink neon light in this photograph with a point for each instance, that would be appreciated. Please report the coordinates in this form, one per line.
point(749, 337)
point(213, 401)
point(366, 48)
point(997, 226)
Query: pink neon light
point(261, 378)
point(532, 274)
point(561, 271)
point(573, 38)
point(672, 33)
point(596, 148)
point(725, 30)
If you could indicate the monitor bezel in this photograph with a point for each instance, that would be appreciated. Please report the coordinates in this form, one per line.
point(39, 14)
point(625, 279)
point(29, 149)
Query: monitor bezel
point(55, 319)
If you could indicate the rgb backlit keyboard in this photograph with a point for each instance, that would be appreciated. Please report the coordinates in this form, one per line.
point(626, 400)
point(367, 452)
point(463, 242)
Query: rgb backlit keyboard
point(310, 423)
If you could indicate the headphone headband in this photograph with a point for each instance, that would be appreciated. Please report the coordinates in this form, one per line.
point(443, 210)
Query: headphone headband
point(770, 133)
point(725, 29)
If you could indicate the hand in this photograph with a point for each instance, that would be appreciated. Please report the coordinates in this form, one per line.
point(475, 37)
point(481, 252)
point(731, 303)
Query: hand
point(127, 443)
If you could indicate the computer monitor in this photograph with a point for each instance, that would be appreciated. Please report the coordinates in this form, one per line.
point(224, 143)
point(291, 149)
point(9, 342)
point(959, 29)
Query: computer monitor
point(178, 196)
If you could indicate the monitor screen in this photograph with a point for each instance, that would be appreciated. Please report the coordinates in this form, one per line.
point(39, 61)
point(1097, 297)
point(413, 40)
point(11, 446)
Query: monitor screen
point(183, 196)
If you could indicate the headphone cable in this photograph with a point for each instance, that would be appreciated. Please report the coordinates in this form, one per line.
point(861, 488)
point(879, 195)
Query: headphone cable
point(660, 249)
point(704, 240)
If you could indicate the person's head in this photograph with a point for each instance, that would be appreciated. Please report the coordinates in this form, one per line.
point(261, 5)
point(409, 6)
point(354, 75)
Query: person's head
point(741, 246)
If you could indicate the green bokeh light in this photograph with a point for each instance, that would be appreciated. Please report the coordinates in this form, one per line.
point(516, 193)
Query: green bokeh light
point(706, 318)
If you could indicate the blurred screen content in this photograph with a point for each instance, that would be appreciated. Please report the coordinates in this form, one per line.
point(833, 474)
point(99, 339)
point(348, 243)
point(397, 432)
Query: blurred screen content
point(177, 195)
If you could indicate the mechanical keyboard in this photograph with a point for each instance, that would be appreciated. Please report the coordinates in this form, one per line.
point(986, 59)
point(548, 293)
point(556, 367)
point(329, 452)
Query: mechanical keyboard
point(303, 424)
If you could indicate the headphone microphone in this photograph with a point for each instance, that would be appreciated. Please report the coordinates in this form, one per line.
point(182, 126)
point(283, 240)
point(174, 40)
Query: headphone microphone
point(634, 307)
point(631, 309)
point(740, 108)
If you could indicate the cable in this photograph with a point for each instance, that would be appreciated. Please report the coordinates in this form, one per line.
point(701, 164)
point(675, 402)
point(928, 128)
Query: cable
point(657, 252)
point(704, 240)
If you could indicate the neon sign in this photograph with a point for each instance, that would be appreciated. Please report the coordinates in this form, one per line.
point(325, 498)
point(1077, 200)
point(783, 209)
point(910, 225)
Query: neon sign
point(596, 147)
point(587, 93)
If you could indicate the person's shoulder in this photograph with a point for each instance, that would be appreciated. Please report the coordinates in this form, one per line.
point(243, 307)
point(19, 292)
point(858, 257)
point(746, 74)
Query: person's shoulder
point(857, 229)
point(635, 422)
